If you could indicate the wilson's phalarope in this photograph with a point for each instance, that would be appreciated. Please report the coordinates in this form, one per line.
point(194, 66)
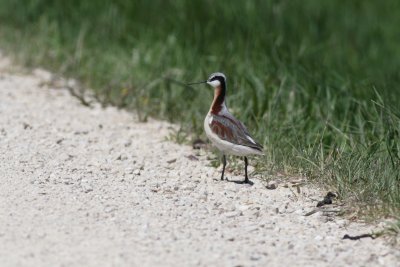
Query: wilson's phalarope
point(226, 132)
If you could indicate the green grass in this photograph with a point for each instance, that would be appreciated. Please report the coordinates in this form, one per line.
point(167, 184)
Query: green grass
point(317, 82)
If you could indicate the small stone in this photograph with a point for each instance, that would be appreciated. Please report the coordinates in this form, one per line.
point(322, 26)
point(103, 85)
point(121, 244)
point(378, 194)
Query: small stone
point(341, 223)
point(299, 211)
point(252, 228)
point(192, 157)
point(188, 187)
point(171, 161)
point(136, 172)
point(26, 126)
point(81, 132)
point(109, 209)
point(242, 207)
point(122, 157)
point(298, 189)
point(271, 185)
point(255, 257)
point(318, 238)
point(87, 188)
point(129, 170)
point(128, 143)
point(328, 199)
point(67, 180)
point(199, 144)
point(231, 214)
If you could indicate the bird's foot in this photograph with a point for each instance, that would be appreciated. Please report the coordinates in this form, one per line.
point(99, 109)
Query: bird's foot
point(246, 181)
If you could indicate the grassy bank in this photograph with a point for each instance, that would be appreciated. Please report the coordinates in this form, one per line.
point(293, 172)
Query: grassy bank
point(316, 81)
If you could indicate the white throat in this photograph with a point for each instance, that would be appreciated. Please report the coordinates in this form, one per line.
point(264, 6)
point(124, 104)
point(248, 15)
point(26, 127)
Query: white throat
point(214, 83)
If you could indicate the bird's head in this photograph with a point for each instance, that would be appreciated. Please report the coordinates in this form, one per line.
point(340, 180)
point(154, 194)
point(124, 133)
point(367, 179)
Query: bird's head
point(216, 79)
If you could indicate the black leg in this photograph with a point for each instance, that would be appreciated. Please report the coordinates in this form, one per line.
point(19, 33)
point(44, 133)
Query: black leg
point(223, 168)
point(246, 178)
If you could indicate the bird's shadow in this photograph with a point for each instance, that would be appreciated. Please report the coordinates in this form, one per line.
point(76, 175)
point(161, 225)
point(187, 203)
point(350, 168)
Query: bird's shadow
point(239, 181)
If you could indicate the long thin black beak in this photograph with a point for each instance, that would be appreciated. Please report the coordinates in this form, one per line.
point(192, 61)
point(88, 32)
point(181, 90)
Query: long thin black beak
point(196, 83)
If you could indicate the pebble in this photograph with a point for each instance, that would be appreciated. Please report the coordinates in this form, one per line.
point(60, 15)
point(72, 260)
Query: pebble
point(255, 257)
point(87, 188)
point(242, 207)
point(318, 238)
point(272, 185)
point(231, 214)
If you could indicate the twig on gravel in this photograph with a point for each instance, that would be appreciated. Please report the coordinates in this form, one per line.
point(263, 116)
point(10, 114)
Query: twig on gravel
point(327, 199)
point(192, 157)
point(357, 237)
point(311, 212)
point(321, 209)
point(57, 81)
point(78, 96)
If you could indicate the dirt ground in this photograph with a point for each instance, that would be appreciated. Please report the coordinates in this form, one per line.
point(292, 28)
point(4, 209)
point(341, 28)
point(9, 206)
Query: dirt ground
point(86, 186)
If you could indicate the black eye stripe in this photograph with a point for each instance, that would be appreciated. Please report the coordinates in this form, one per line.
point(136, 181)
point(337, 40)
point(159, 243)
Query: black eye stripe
point(217, 78)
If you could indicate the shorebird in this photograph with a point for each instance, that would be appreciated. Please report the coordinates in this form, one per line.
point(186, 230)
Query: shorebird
point(226, 132)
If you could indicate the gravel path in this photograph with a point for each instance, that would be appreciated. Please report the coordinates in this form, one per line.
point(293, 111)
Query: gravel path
point(93, 187)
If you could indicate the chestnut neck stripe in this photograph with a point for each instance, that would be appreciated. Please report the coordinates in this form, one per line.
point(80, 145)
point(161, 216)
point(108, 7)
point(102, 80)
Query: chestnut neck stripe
point(219, 98)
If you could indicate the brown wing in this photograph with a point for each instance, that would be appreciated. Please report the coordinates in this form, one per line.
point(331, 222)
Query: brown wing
point(230, 129)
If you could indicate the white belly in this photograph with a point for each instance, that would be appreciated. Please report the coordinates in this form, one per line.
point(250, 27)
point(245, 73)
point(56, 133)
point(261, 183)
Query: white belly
point(226, 147)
